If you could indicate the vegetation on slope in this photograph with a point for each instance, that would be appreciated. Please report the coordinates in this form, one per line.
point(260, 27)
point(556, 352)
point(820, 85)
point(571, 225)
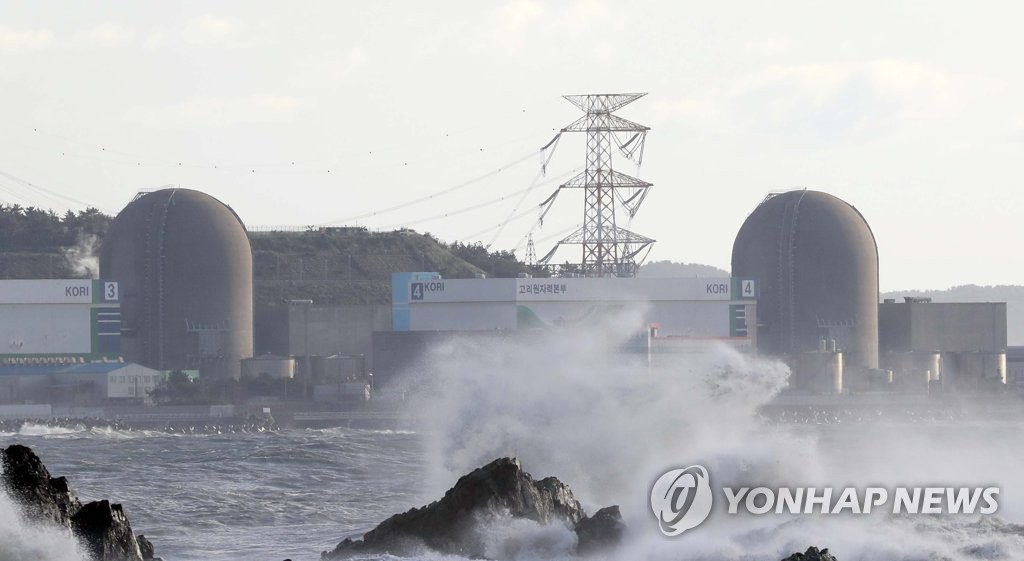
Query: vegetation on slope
point(328, 265)
point(37, 243)
point(671, 269)
point(334, 265)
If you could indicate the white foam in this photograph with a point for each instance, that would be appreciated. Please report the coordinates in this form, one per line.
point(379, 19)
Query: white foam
point(33, 429)
point(569, 404)
point(22, 541)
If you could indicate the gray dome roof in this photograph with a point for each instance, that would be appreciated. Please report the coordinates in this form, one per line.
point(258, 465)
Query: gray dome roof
point(185, 267)
point(816, 260)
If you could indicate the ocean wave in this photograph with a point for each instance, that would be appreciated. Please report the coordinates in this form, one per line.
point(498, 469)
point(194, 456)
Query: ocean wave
point(34, 429)
point(23, 541)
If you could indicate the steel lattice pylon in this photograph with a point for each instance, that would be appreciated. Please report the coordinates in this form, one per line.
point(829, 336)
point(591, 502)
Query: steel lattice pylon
point(531, 252)
point(608, 250)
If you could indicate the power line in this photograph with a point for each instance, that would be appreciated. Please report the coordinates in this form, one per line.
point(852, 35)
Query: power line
point(500, 225)
point(512, 212)
point(463, 210)
point(440, 193)
point(456, 212)
point(48, 193)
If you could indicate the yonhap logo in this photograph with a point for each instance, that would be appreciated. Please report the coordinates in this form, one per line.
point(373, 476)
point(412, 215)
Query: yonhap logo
point(681, 499)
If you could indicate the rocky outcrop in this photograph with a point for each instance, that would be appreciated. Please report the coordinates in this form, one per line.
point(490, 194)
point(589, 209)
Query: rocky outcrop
point(43, 498)
point(499, 488)
point(812, 554)
point(101, 527)
point(146, 548)
point(601, 531)
point(105, 532)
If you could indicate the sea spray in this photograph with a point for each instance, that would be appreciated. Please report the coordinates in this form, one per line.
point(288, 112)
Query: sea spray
point(295, 493)
point(22, 540)
point(576, 404)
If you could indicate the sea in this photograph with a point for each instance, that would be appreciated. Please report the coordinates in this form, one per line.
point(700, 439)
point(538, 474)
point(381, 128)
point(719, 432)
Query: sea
point(606, 426)
point(209, 497)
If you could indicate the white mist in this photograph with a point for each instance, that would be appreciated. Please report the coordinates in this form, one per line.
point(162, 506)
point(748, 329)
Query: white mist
point(574, 405)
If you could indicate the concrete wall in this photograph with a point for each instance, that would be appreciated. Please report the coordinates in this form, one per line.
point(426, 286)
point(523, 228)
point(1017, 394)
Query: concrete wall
point(82, 388)
point(947, 327)
point(282, 330)
point(24, 388)
point(404, 354)
point(1015, 365)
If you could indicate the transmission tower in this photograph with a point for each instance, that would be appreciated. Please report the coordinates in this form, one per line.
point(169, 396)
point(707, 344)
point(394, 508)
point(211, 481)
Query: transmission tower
point(531, 252)
point(607, 248)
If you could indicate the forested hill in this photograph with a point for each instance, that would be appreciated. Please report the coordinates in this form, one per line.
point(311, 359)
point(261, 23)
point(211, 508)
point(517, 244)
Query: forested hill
point(671, 269)
point(40, 244)
point(327, 265)
point(353, 265)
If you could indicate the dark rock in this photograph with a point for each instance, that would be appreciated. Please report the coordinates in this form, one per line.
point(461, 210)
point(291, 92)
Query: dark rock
point(102, 528)
point(602, 530)
point(146, 549)
point(41, 497)
point(104, 531)
point(501, 487)
point(812, 554)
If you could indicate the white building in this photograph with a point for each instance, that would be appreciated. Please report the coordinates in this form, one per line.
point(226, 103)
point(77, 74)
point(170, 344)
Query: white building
point(59, 320)
point(91, 383)
point(696, 309)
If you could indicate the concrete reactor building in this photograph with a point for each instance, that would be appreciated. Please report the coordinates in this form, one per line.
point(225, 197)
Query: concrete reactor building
point(816, 261)
point(184, 265)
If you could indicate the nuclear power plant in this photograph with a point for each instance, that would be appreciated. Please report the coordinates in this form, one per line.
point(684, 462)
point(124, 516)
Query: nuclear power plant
point(816, 261)
point(177, 270)
point(184, 265)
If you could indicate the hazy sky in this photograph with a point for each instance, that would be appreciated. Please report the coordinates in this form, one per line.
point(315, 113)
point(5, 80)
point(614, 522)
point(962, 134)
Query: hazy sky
point(298, 113)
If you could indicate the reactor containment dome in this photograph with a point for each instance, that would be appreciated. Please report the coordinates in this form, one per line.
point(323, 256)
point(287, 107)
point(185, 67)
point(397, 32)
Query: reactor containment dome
point(185, 267)
point(817, 262)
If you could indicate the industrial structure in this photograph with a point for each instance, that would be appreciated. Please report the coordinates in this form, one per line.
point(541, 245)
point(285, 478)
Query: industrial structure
point(62, 344)
point(1015, 367)
point(305, 328)
point(184, 264)
point(817, 263)
point(659, 317)
point(954, 345)
point(608, 249)
point(90, 383)
point(177, 294)
point(684, 307)
point(59, 321)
